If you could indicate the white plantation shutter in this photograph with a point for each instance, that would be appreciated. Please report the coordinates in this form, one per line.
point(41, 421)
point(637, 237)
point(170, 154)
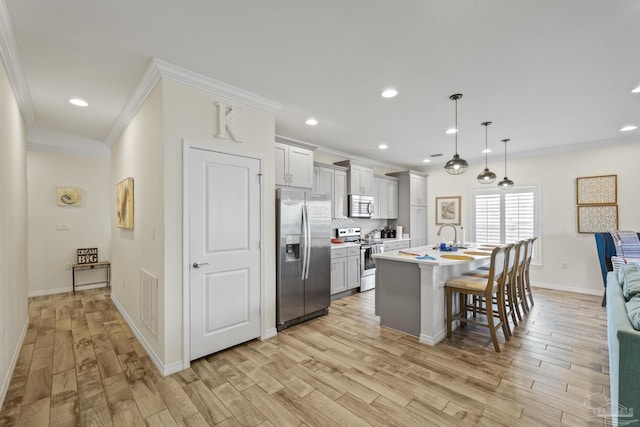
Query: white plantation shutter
point(519, 216)
point(488, 218)
point(506, 216)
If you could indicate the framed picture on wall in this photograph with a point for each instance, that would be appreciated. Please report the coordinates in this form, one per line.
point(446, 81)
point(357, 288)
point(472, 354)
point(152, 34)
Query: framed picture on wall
point(68, 196)
point(448, 210)
point(597, 190)
point(124, 203)
point(597, 218)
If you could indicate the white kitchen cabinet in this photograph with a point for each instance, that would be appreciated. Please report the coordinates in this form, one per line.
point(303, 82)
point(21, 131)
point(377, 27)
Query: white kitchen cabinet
point(294, 166)
point(340, 194)
point(387, 198)
point(418, 226)
point(360, 178)
point(418, 188)
point(329, 180)
point(394, 246)
point(338, 274)
point(345, 269)
point(412, 205)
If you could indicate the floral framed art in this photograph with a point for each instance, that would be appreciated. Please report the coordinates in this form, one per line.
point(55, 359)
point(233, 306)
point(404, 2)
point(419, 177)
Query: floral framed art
point(448, 210)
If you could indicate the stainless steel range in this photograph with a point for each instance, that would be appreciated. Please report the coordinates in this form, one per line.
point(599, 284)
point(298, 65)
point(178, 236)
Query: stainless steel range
point(368, 248)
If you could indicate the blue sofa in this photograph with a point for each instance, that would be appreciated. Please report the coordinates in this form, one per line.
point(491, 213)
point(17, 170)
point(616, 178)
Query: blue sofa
point(624, 353)
point(623, 340)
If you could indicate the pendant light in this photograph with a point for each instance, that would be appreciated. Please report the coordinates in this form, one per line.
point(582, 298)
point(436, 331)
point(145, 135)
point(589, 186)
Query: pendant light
point(506, 183)
point(456, 166)
point(486, 176)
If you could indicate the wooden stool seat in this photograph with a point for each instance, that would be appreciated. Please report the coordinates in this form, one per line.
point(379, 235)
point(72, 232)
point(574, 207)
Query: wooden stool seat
point(485, 288)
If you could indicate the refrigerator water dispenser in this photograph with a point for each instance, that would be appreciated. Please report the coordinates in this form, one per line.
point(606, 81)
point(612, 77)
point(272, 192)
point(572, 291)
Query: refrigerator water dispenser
point(292, 248)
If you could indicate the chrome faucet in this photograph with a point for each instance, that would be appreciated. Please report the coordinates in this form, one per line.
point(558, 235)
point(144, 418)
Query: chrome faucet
point(455, 232)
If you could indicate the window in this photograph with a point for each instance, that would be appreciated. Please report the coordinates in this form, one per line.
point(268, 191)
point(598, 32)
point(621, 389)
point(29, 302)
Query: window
point(506, 216)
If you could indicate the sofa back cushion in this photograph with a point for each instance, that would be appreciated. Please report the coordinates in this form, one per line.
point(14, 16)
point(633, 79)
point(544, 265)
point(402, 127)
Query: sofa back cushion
point(629, 278)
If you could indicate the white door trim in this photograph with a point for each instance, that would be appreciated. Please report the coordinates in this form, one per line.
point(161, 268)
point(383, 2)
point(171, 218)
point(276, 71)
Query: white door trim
point(186, 242)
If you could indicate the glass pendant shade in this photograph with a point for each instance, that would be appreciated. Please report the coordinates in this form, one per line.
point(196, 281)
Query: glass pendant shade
point(506, 183)
point(456, 166)
point(486, 176)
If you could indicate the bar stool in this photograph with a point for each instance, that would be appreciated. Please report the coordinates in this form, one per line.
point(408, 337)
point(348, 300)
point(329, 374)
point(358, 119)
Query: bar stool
point(510, 293)
point(526, 286)
point(493, 284)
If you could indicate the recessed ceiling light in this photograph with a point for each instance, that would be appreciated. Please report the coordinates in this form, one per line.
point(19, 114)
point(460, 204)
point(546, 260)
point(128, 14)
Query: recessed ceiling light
point(636, 90)
point(426, 161)
point(78, 102)
point(628, 128)
point(311, 122)
point(383, 146)
point(486, 150)
point(452, 131)
point(389, 93)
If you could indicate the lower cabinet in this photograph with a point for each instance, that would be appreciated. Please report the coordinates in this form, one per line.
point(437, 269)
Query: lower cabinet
point(394, 246)
point(345, 269)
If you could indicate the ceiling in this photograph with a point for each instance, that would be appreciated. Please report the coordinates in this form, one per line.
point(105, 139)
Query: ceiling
point(549, 74)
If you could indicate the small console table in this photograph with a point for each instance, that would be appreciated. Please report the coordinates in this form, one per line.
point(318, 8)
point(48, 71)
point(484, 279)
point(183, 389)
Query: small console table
point(91, 266)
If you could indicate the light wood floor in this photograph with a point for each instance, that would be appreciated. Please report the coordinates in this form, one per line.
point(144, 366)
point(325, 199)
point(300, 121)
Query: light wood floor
point(81, 365)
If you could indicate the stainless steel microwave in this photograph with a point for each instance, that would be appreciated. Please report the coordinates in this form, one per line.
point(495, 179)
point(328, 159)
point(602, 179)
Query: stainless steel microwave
point(361, 206)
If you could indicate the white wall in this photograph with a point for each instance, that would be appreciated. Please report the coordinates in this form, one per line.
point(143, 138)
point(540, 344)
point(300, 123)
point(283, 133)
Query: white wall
point(13, 231)
point(89, 224)
point(138, 153)
point(556, 174)
point(190, 114)
point(150, 151)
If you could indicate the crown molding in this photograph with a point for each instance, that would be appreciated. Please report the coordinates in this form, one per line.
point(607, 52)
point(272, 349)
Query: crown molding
point(161, 69)
point(148, 81)
point(207, 84)
point(9, 53)
point(47, 140)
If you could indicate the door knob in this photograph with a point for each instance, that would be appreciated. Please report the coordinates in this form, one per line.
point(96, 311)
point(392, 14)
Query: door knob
point(199, 264)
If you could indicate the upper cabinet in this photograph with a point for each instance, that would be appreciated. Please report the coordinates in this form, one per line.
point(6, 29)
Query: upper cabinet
point(386, 197)
point(360, 178)
point(418, 190)
point(294, 166)
point(332, 180)
point(412, 205)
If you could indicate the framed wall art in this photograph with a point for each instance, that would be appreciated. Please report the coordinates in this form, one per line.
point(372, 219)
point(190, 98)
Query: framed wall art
point(597, 190)
point(124, 203)
point(448, 210)
point(68, 196)
point(597, 218)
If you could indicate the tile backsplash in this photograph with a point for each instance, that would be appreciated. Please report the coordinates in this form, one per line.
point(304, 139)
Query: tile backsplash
point(366, 225)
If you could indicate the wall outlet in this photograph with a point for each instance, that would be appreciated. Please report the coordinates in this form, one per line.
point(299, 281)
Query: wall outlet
point(2, 334)
point(124, 283)
point(67, 266)
point(62, 227)
point(563, 265)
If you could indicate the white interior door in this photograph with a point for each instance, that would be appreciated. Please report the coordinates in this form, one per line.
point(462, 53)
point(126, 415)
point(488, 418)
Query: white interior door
point(224, 227)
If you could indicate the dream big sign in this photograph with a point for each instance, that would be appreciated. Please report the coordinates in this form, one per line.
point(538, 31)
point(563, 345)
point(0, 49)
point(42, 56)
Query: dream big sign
point(87, 255)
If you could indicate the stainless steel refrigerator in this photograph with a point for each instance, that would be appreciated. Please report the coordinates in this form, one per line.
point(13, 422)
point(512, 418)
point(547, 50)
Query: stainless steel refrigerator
point(303, 271)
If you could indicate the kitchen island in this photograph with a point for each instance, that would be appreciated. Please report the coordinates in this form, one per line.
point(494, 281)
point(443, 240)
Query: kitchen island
point(409, 291)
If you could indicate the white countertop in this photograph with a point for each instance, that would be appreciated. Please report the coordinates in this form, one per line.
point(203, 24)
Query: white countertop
point(409, 255)
point(344, 245)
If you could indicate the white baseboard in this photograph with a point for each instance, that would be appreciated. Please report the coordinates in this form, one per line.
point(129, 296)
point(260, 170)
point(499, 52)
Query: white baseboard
point(269, 333)
point(12, 366)
point(169, 369)
point(575, 289)
point(66, 289)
